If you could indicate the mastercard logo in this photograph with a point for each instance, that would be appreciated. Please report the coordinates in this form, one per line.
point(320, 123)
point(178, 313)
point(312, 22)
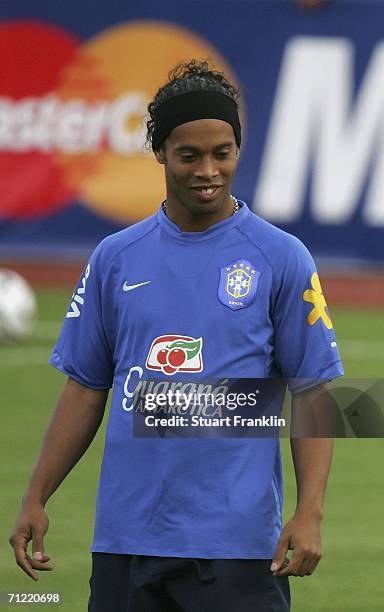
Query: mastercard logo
point(72, 115)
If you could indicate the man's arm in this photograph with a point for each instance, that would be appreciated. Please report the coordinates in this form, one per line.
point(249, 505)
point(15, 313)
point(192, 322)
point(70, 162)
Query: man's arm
point(73, 426)
point(312, 459)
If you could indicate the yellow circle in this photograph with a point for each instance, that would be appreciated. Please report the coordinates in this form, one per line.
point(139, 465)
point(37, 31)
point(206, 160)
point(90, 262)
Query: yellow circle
point(124, 65)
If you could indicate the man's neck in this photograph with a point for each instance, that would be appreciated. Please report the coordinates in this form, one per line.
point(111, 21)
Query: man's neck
point(188, 222)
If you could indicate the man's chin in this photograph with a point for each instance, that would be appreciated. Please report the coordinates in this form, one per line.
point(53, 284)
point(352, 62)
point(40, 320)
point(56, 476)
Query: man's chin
point(211, 207)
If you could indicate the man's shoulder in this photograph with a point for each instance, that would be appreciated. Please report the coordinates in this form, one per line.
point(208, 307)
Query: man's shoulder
point(113, 244)
point(274, 243)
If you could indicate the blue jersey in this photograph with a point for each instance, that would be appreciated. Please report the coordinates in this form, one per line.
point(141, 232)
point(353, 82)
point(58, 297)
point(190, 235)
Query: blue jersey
point(239, 300)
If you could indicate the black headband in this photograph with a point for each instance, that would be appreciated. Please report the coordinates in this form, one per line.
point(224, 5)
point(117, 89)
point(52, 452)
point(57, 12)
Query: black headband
point(192, 106)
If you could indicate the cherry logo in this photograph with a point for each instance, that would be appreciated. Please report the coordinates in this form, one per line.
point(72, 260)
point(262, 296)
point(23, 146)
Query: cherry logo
point(171, 359)
point(171, 354)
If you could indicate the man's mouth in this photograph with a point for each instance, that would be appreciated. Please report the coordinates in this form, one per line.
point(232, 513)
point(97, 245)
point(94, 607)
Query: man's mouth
point(206, 190)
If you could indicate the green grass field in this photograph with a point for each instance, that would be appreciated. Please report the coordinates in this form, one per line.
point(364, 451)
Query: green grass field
point(348, 578)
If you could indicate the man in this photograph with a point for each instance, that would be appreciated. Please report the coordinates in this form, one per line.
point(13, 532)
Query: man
point(202, 289)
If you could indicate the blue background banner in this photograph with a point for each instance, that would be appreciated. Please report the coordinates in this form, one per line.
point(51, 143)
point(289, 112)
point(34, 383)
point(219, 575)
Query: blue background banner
point(76, 77)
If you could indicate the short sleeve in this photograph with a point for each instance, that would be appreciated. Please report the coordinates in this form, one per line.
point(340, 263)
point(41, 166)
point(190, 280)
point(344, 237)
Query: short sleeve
point(84, 349)
point(306, 351)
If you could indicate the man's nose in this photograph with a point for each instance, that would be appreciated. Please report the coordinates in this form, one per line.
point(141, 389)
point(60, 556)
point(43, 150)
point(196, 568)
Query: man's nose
point(207, 169)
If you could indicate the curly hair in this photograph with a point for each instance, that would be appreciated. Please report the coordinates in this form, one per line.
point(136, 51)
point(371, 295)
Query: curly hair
point(187, 77)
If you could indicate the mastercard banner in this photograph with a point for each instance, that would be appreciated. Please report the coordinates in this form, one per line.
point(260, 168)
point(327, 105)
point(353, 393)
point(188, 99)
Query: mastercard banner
point(72, 116)
point(75, 82)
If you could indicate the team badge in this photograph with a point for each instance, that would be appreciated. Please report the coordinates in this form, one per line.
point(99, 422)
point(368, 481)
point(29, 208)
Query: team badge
point(315, 297)
point(171, 354)
point(238, 284)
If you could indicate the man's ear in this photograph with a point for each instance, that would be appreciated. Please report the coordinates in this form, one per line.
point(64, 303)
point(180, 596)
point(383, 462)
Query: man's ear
point(160, 156)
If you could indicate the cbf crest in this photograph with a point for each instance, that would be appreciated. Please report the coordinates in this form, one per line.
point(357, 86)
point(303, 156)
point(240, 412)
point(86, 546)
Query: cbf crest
point(238, 284)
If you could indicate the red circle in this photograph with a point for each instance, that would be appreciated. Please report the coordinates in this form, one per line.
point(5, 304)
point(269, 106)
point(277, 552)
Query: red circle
point(162, 356)
point(169, 369)
point(34, 55)
point(176, 357)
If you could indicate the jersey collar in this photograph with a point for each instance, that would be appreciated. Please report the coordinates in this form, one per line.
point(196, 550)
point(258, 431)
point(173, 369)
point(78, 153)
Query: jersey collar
point(218, 228)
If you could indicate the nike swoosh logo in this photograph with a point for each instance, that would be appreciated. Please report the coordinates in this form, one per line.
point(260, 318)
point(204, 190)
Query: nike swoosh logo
point(127, 287)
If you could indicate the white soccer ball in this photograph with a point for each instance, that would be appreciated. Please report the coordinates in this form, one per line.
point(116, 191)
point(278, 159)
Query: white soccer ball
point(18, 306)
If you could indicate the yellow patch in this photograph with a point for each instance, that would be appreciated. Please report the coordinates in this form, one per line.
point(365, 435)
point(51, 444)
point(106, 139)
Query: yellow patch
point(315, 296)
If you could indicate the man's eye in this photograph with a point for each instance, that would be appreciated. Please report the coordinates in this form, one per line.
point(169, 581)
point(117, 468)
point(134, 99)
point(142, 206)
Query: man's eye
point(223, 154)
point(187, 158)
